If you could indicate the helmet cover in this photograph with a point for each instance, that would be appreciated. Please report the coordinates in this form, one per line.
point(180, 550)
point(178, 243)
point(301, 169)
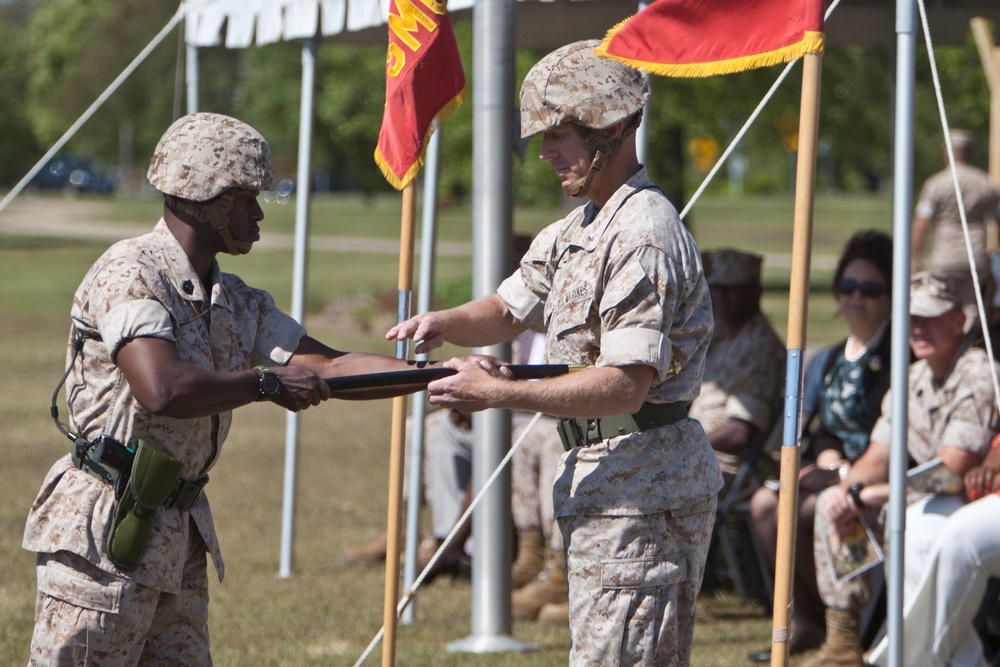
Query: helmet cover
point(573, 84)
point(202, 155)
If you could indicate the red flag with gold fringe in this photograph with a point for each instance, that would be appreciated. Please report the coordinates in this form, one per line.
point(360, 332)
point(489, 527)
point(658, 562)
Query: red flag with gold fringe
point(691, 38)
point(424, 84)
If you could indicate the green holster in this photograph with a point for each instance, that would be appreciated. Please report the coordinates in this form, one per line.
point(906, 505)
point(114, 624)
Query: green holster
point(153, 477)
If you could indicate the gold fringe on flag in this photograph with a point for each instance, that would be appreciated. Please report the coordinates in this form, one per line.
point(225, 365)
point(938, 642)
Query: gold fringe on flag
point(811, 42)
point(400, 182)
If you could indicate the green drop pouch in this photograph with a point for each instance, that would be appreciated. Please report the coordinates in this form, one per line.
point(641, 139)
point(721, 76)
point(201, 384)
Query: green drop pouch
point(153, 477)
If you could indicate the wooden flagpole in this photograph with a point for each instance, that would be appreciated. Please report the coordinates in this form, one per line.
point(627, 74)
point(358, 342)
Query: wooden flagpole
point(798, 297)
point(399, 403)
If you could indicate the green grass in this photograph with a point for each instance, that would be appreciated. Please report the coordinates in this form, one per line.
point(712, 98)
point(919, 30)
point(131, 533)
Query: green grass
point(328, 611)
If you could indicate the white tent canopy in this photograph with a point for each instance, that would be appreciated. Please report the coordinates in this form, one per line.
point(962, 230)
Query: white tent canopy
point(243, 23)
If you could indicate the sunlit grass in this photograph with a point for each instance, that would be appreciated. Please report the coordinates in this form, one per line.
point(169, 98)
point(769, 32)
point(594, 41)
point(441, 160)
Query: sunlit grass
point(327, 612)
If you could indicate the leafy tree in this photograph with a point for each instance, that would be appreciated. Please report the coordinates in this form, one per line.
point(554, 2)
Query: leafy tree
point(17, 143)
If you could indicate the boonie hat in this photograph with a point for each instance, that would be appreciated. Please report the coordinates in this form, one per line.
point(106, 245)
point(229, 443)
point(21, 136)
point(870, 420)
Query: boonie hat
point(729, 267)
point(933, 295)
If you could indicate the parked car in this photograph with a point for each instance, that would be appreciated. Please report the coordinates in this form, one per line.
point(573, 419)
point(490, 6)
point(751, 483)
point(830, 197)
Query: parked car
point(70, 172)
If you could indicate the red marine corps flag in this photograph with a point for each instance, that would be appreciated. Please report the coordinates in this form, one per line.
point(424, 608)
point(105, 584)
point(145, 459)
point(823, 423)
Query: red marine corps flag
point(424, 84)
point(705, 37)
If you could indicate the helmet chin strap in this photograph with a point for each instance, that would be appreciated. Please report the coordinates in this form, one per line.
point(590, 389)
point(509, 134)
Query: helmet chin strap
point(601, 147)
point(215, 214)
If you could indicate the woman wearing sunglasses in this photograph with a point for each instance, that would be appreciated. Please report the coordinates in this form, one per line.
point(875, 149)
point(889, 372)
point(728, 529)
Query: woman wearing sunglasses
point(854, 375)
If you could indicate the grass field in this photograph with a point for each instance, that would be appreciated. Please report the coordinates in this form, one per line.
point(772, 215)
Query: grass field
point(327, 612)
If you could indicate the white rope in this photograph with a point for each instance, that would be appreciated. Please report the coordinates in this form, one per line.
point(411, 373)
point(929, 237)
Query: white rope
point(961, 203)
point(93, 108)
point(746, 126)
point(411, 592)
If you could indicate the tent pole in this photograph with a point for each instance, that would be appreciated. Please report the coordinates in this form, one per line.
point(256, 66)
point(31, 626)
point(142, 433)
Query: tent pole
point(191, 77)
point(902, 209)
point(302, 201)
point(428, 236)
point(798, 299)
point(493, 26)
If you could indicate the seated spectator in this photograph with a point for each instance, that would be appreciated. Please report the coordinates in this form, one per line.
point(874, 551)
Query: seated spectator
point(938, 615)
point(951, 414)
point(854, 376)
point(745, 366)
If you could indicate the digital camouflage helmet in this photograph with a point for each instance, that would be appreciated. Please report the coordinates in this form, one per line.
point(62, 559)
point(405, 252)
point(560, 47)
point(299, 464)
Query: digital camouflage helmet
point(201, 158)
point(574, 85)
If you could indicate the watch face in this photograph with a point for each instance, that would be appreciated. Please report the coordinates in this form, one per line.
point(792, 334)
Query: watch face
point(270, 384)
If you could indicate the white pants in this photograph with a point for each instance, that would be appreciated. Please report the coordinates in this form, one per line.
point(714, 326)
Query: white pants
point(939, 610)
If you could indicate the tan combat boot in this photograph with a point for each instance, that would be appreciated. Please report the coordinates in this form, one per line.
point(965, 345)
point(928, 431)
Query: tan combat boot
point(554, 613)
point(372, 553)
point(842, 647)
point(530, 557)
point(548, 586)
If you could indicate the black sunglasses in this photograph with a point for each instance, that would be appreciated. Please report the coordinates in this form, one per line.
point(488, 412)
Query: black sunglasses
point(868, 288)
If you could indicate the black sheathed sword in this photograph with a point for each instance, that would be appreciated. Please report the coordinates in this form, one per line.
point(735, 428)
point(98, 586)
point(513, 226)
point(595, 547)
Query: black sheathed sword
point(425, 375)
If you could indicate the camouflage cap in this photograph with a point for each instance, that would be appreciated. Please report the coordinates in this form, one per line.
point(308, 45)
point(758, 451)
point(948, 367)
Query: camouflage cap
point(728, 267)
point(202, 155)
point(961, 139)
point(572, 84)
point(933, 295)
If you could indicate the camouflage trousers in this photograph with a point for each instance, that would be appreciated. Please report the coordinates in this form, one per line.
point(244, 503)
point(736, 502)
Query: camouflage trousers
point(633, 584)
point(533, 469)
point(86, 616)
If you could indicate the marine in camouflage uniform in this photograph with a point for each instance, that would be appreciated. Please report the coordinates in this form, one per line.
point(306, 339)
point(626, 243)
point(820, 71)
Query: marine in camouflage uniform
point(618, 285)
point(951, 415)
point(745, 366)
point(168, 346)
point(937, 207)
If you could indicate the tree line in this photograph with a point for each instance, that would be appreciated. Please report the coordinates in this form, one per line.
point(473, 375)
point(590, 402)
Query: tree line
point(56, 57)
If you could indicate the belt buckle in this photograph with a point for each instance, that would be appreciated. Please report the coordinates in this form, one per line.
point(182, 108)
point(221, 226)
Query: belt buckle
point(571, 434)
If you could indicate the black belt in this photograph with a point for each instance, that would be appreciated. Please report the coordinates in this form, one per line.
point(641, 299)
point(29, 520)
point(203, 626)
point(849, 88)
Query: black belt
point(580, 432)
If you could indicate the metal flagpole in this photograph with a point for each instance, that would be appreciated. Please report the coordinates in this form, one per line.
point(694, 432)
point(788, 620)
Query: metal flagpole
point(298, 293)
point(788, 499)
point(493, 23)
point(428, 236)
point(902, 208)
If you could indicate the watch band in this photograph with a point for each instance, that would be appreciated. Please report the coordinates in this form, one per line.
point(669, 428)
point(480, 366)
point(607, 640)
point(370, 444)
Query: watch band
point(855, 491)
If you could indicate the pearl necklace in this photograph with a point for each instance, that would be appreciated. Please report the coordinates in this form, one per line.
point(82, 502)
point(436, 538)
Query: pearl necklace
point(872, 342)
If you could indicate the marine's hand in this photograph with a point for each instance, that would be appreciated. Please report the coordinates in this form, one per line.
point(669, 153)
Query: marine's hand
point(462, 420)
point(426, 329)
point(813, 478)
point(839, 509)
point(301, 388)
point(478, 384)
point(979, 481)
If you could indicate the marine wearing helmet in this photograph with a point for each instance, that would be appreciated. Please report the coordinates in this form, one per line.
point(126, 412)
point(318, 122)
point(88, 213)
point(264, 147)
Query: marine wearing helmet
point(201, 159)
point(573, 85)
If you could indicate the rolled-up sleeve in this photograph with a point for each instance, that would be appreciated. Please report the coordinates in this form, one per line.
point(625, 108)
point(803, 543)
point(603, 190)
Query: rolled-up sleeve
point(636, 309)
point(278, 334)
point(144, 318)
